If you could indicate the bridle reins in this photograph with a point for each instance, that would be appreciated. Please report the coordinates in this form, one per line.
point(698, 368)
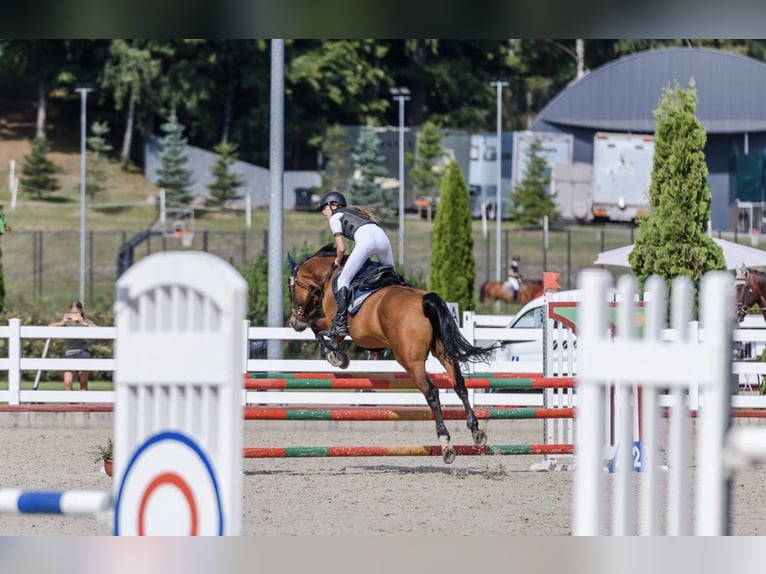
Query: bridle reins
point(315, 292)
point(743, 308)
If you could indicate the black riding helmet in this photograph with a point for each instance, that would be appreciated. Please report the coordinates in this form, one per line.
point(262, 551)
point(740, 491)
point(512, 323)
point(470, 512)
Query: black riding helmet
point(332, 197)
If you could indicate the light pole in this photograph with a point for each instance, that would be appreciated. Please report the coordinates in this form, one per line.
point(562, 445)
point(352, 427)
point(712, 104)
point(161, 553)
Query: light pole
point(83, 89)
point(401, 95)
point(499, 198)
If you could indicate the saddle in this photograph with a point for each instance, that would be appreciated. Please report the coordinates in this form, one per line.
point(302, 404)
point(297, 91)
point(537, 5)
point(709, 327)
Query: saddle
point(371, 278)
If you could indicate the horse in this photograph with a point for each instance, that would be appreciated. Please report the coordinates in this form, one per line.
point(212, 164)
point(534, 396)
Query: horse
point(410, 322)
point(751, 290)
point(528, 290)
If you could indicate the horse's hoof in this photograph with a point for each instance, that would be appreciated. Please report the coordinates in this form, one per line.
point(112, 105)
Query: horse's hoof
point(448, 455)
point(479, 437)
point(338, 359)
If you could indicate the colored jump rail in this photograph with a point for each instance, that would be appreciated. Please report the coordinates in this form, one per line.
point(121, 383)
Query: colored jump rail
point(330, 381)
point(400, 414)
point(361, 451)
point(73, 503)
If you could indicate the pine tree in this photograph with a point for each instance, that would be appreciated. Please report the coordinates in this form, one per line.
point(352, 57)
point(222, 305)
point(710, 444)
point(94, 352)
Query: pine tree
point(336, 171)
point(224, 187)
point(97, 176)
point(172, 173)
point(530, 202)
point(453, 267)
point(425, 174)
point(672, 239)
point(364, 189)
point(38, 174)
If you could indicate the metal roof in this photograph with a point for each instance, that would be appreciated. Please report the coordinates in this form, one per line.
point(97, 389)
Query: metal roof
point(622, 95)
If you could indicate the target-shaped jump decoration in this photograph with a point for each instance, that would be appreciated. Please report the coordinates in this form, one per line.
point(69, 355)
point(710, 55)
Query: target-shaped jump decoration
point(169, 488)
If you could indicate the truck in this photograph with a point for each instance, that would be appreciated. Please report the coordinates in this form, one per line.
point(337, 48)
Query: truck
point(622, 174)
point(555, 148)
point(571, 185)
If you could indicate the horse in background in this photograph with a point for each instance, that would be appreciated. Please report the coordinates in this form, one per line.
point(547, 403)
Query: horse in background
point(751, 291)
point(412, 322)
point(498, 291)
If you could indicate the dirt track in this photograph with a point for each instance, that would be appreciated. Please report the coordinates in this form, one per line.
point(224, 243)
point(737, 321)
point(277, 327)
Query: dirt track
point(492, 495)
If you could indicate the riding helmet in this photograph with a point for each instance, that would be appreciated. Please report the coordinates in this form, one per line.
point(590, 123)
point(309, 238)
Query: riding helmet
point(332, 197)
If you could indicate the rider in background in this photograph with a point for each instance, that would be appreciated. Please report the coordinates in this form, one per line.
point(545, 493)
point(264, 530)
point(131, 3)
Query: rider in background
point(361, 227)
point(513, 283)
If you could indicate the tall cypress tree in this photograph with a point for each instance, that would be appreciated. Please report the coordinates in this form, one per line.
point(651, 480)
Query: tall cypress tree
point(97, 175)
point(337, 166)
point(453, 267)
point(672, 239)
point(173, 174)
point(368, 164)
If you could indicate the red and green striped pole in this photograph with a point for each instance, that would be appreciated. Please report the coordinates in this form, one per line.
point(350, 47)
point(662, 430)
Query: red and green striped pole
point(361, 451)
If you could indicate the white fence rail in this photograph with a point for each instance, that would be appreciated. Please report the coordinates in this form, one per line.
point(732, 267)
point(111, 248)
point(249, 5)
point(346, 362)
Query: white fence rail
point(14, 364)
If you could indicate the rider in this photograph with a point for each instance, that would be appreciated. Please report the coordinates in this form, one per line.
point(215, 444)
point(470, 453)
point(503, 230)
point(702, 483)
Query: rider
point(360, 226)
point(513, 283)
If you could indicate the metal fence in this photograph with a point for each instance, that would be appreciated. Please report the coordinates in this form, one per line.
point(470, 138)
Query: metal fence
point(44, 265)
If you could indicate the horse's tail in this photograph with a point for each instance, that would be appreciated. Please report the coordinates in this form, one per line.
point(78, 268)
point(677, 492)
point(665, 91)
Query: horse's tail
point(481, 291)
point(456, 347)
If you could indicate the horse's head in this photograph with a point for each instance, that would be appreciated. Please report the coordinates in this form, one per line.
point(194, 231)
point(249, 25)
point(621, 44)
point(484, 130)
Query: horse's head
point(748, 293)
point(307, 284)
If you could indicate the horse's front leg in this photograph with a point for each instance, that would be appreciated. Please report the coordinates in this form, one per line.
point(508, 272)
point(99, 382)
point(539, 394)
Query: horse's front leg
point(329, 349)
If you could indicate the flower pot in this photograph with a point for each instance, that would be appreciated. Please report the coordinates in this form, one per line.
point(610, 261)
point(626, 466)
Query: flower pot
point(108, 466)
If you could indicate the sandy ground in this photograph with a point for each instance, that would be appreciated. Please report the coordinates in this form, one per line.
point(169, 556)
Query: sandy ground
point(490, 495)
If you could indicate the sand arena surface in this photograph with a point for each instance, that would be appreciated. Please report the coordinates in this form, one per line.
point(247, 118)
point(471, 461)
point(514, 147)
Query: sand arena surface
point(489, 495)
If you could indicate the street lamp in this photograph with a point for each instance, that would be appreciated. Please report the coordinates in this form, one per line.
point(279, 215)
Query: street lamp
point(83, 88)
point(401, 95)
point(498, 201)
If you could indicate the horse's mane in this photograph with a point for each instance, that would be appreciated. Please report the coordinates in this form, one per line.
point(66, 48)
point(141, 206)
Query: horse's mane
point(328, 250)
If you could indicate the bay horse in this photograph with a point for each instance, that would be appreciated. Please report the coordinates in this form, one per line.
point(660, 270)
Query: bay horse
point(751, 290)
point(411, 322)
point(495, 290)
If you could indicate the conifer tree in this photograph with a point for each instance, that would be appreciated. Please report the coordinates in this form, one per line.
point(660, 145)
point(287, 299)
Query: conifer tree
point(38, 174)
point(337, 168)
point(672, 239)
point(368, 163)
point(97, 176)
point(453, 267)
point(173, 174)
point(226, 183)
point(425, 174)
point(530, 202)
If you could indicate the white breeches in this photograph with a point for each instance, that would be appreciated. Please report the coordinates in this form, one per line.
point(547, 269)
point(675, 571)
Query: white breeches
point(368, 240)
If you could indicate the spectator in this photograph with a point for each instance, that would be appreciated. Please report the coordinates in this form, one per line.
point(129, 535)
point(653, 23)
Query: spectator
point(75, 348)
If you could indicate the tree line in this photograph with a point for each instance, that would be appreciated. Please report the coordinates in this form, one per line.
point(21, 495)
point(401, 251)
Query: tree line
point(220, 89)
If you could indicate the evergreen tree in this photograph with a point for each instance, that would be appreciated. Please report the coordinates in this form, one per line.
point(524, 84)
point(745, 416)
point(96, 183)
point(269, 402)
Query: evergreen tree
point(224, 187)
point(38, 174)
point(425, 174)
point(97, 176)
point(672, 239)
point(337, 168)
point(364, 188)
point(453, 267)
point(530, 202)
point(172, 173)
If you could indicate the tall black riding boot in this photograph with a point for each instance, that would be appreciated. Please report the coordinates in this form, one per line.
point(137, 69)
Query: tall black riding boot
point(340, 322)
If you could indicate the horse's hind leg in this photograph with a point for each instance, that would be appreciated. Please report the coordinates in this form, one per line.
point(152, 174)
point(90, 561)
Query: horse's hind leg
point(479, 436)
point(431, 394)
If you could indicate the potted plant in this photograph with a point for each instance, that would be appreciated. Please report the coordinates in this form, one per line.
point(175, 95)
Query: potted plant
point(104, 453)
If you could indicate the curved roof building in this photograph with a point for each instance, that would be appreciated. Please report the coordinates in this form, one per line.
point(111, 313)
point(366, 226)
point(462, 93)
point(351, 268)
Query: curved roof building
point(621, 96)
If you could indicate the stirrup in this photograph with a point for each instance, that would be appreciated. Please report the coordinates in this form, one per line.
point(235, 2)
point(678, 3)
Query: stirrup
point(337, 330)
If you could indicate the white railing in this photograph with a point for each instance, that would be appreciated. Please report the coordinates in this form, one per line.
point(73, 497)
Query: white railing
point(14, 364)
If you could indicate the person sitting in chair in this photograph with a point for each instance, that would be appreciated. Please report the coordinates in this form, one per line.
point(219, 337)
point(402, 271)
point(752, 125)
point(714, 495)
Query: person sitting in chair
point(360, 226)
point(513, 282)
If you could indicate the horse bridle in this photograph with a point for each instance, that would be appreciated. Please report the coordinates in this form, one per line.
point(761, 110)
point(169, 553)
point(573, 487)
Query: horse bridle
point(316, 292)
point(742, 308)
